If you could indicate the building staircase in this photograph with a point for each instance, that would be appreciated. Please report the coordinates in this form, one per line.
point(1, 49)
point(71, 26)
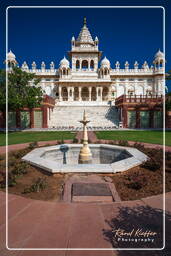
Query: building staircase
point(69, 116)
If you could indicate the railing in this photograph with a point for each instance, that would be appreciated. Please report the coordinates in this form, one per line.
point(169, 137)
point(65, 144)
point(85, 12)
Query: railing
point(139, 99)
point(137, 71)
point(114, 71)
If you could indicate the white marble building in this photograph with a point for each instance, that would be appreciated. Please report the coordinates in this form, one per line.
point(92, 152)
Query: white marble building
point(83, 78)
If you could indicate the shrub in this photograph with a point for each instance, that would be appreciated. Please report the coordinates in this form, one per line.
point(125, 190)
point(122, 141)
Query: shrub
point(2, 164)
point(136, 181)
point(168, 169)
point(19, 154)
point(123, 143)
point(12, 161)
point(139, 146)
point(2, 180)
point(59, 142)
point(75, 140)
point(151, 165)
point(33, 145)
point(113, 142)
point(37, 186)
point(2, 157)
point(11, 180)
point(168, 156)
point(20, 169)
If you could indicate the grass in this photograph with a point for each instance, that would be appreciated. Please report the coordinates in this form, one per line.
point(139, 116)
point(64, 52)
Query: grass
point(153, 137)
point(24, 137)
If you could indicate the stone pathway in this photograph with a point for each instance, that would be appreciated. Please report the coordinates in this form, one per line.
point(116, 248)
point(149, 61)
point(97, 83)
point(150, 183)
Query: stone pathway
point(92, 137)
point(40, 224)
point(25, 145)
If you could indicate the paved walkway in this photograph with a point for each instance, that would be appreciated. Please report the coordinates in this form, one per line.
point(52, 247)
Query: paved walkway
point(40, 224)
point(25, 145)
point(91, 135)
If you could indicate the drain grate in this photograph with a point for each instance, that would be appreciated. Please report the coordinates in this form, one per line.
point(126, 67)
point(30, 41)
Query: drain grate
point(91, 192)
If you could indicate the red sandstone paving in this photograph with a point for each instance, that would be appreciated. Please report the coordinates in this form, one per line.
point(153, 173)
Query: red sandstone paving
point(86, 227)
point(24, 224)
point(25, 145)
point(3, 197)
point(43, 253)
point(154, 201)
point(17, 206)
point(92, 253)
point(168, 202)
point(91, 136)
point(56, 224)
point(44, 143)
point(78, 225)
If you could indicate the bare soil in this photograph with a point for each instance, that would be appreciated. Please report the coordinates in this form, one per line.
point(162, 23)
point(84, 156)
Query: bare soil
point(151, 181)
point(53, 191)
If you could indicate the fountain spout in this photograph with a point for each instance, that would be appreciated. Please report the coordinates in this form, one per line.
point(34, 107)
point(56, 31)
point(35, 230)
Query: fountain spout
point(85, 156)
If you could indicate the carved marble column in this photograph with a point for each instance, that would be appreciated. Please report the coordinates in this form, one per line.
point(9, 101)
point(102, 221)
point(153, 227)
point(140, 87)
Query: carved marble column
point(97, 97)
point(60, 96)
point(79, 93)
point(109, 93)
point(90, 89)
point(68, 91)
point(101, 90)
point(72, 93)
point(89, 64)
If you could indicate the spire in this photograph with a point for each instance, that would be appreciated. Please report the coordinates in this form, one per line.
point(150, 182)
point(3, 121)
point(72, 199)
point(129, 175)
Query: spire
point(84, 35)
point(85, 21)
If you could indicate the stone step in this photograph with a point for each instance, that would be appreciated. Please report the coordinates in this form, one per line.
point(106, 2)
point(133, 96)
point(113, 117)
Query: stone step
point(70, 116)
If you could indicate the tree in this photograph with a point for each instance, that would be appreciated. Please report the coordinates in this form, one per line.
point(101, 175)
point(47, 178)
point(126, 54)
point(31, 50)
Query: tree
point(168, 78)
point(168, 75)
point(168, 95)
point(20, 93)
point(2, 90)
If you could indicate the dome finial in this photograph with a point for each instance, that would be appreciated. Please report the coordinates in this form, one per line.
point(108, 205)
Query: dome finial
point(85, 21)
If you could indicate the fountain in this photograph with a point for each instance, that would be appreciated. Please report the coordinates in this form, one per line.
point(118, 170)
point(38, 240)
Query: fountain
point(77, 158)
point(85, 156)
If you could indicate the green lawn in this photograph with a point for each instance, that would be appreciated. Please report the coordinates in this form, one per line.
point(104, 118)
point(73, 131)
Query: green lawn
point(154, 137)
point(23, 137)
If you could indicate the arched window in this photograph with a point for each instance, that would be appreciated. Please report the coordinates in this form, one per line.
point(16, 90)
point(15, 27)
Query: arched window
point(77, 64)
point(105, 93)
point(161, 63)
point(64, 72)
point(84, 64)
point(105, 72)
point(92, 64)
point(85, 94)
point(64, 94)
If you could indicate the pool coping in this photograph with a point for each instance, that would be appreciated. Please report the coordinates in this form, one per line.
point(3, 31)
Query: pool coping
point(34, 158)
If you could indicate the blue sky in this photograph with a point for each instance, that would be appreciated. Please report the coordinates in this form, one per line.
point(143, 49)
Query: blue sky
point(127, 34)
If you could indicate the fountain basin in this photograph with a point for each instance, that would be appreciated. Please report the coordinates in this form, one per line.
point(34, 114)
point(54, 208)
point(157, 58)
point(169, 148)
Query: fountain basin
point(105, 158)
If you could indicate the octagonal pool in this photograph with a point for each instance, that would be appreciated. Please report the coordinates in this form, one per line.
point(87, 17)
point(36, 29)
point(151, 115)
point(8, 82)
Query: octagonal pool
point(105, 158)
